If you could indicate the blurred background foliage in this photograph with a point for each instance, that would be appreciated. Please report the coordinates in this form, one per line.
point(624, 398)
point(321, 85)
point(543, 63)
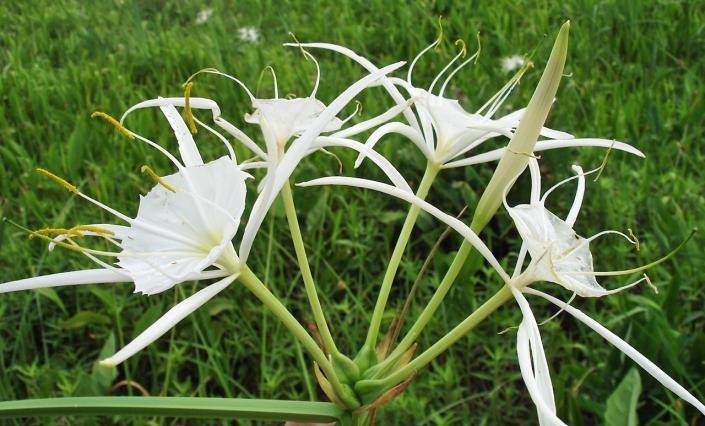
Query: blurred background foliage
point(634, 74)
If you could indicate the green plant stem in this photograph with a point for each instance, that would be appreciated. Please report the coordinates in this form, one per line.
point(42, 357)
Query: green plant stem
point(251, 409)
point(428, 177)
point(429, 310)
point(250, 280)
point(491, 305)
point(318, 315)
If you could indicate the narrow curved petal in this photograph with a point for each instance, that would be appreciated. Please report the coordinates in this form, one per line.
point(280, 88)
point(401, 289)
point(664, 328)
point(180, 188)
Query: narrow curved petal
point(395, 127)
point(187, 146)
point(409, 197)
point(296, 152)
point(372, 122)
point(180, 311)
point(545, 145)
point(533, 365)
point(626, 348)
point(392, 173)
point(89, 276)
point(578, 201)
point(240, 136)
point(196, 103)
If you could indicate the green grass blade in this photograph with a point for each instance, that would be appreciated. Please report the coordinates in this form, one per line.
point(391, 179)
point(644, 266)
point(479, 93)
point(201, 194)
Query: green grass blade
point(250, 409)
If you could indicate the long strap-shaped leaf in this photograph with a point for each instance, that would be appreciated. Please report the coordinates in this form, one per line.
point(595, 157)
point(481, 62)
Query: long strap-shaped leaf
point(250, 409)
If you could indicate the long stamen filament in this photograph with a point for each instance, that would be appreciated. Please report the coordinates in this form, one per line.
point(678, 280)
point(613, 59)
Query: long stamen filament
point(604, 161)
point(461, 54)
point(426, 49)
point(222, 74)
point(475, 56)
point(640, 268)
point(496, 100)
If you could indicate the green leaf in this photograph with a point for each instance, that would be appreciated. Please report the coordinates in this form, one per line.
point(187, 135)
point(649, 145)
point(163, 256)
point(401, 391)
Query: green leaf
point(105, 296)
point(103, 377)
point(621, 405)
point(315, 216)
point(52, 295)
point(232, 408)
point(84, 318)
point(219, 305)
point(147, 319)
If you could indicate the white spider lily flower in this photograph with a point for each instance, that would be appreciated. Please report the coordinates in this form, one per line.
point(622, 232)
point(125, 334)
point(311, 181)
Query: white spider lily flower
point(443, 131)
point(183, 231)
point(279, 171)
point(558, 264)
point(558, 254)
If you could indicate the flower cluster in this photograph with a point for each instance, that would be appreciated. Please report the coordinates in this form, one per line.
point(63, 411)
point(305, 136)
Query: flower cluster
point(184, 227)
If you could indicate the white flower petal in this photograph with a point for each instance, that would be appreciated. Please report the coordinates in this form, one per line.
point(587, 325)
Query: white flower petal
point(195, 103)
point(89, 276)
point(627, 349)
point(395, 127)
point(286, 118)
point(532, 361)
point(204, 213)
point(578, 200)
point(372, 122)
point(409, 197)
point(168, 321)
point(545, 145)
point(187, 146)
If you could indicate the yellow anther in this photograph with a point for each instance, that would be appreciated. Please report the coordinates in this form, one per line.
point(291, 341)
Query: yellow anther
point(92, 228)
point(192, 76)
point(55, 231)
point(440, 31)
point(636, 240)
point(340, 163)
point(122, 129)
point(298, 42)
point(463, 49)
point(149, 172)
point(479, 48)
point(604, 162)
point(60, 181)
point(648, 281)
point(358, 108)
point(187, 108)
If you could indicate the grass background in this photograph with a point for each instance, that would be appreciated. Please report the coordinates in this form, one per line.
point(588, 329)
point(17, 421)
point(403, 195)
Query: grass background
point(635, 74)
